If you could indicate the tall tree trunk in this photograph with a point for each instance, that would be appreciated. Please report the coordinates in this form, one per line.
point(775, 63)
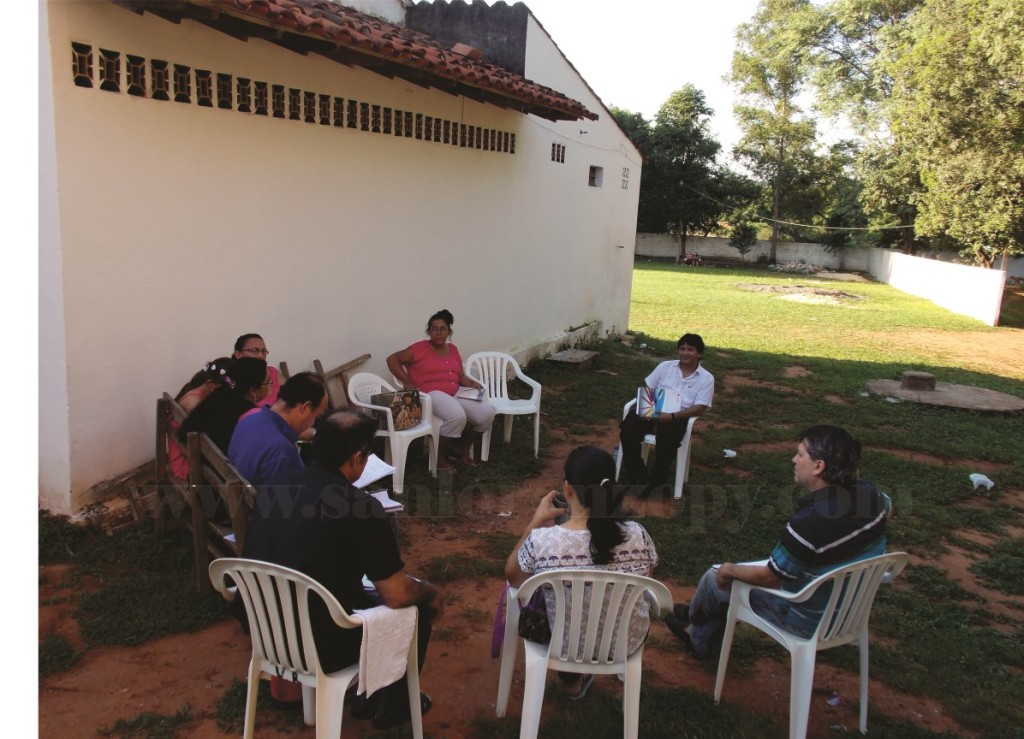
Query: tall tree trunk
point(907, 219)
point(681, 257)
point(776, 209)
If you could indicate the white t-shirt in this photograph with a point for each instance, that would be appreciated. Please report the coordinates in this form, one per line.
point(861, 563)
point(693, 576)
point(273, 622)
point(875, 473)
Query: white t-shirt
point(697, 389)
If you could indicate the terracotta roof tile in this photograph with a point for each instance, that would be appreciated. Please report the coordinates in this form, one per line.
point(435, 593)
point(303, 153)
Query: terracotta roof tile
point(416, 52)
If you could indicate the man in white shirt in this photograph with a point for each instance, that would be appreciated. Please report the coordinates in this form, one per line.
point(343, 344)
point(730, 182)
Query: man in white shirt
point(694, 387)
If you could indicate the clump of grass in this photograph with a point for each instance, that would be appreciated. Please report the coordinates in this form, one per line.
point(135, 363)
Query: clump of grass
point(230, 710)
point(56, 655)
point(60, 540)
point(150, 725)
point(1004, 569)
point(137, 607)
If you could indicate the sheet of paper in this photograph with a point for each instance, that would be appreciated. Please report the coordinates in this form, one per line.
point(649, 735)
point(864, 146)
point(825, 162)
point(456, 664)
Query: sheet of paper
point(376, 468)
point(389, 503)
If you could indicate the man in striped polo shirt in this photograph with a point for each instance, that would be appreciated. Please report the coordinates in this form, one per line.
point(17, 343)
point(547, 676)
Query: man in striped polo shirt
point(840, 521)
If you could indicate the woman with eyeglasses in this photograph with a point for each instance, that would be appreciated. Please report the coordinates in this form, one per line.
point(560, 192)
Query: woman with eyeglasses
point(434, 366)
point(596, 536)
point(252, 345)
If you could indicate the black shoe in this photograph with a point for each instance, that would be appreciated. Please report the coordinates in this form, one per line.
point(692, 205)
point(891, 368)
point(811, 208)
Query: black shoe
point(389, 717)
point(677, 627)
point(363, 707)
point(682, 612)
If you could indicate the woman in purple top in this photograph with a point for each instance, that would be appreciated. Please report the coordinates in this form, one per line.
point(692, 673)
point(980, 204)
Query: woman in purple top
point(434, 366)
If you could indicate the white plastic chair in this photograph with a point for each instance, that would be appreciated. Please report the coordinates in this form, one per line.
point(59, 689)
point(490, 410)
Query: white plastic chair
point(491, 369)
point(650, 441)
point(844, 620)
point(361, 388)
point(605, 657)
point(276, 602)
point(509, 650)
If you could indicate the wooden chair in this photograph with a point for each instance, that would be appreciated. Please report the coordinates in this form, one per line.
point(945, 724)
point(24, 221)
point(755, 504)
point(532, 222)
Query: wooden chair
point(211, 478)
point(339, 374)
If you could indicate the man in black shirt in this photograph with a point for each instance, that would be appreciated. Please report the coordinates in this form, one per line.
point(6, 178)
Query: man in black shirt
point(313, 520)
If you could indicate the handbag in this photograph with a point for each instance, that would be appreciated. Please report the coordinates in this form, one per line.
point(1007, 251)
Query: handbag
point(533, 619)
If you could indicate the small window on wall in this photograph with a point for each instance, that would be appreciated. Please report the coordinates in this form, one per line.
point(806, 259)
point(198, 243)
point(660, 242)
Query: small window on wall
point(596, 176)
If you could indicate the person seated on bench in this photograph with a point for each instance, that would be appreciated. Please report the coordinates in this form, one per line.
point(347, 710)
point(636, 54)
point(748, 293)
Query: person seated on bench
point(263, 444)
point(336, 534)
point(252, 345)
point(192, 393)
point(245, 382)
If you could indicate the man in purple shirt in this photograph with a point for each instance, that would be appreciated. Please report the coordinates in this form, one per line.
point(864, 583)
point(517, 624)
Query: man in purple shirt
point(263, 444)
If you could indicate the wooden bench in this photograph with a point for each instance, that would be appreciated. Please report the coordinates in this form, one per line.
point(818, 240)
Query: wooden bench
point(339, 374)
point(211, 479)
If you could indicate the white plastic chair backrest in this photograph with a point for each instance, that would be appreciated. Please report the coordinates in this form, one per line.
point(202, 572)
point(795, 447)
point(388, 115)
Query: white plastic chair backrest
point(363, 385)
point(853, 593)
point(491, 370)
point(276, 602)
point(587, 640)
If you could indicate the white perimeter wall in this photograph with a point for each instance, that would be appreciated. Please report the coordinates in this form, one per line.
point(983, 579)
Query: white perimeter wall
point(667, 246)
point(971, 291)
point(181, 227)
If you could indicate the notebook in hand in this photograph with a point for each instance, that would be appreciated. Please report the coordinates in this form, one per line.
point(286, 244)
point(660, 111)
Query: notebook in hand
point(659, 400)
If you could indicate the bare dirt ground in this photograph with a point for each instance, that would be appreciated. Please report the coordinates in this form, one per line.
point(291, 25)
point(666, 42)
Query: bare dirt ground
point(195, 669)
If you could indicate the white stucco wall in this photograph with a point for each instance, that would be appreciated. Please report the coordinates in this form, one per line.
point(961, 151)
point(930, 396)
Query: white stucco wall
point(667, 246)
point(54, 438)
point(970, 291)
point(181, 227)
point(600, 222)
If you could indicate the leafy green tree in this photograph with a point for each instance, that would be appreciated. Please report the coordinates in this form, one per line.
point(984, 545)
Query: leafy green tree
point(856, 40)
point(682, 189)
point(743, 237)
point(770, 67)
point(958, 98)
point(682, 164)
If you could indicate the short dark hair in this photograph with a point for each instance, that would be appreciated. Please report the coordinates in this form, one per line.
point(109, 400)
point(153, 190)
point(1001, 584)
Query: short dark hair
point(837, 449)
point(241, 340)
point(303, 387)
point(693, 340)
point(342, 434)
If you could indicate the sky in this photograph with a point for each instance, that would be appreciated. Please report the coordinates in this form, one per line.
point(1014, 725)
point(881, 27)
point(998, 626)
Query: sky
point(635, 54)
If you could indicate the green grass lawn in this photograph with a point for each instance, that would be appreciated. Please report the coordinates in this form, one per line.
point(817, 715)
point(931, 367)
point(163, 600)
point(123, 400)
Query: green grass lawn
point(930, 636)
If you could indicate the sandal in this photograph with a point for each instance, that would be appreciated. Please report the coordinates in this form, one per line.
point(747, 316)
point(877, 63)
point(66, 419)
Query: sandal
point(579, 695)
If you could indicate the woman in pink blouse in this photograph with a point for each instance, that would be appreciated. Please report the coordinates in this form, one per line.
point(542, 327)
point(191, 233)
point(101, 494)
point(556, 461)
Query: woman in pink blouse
point(434, 366)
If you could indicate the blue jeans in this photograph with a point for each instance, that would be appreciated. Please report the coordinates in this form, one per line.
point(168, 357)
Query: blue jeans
point(710, 606)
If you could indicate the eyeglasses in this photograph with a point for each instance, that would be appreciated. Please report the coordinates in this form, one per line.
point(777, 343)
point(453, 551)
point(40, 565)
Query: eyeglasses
point(254, 350)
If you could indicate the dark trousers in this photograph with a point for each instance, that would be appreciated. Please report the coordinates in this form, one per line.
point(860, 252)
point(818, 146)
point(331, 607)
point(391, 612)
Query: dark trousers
point(631, 433)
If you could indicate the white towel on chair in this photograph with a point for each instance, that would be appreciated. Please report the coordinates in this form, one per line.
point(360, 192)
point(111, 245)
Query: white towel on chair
point(384, 653)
